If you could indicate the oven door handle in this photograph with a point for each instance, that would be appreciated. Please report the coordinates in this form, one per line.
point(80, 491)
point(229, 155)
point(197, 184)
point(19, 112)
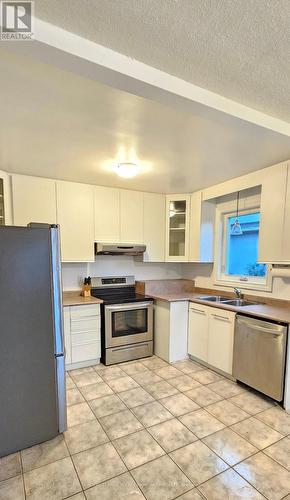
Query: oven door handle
point(129, 306)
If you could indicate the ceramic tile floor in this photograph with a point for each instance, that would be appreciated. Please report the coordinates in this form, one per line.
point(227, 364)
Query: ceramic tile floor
point(150, 430)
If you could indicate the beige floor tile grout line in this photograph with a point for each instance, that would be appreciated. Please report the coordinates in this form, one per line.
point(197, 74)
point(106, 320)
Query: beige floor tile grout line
point(173, 417)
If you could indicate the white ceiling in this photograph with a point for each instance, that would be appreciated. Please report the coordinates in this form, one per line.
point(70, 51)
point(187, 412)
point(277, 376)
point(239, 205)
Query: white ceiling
point(57, 124)
point(239, 49)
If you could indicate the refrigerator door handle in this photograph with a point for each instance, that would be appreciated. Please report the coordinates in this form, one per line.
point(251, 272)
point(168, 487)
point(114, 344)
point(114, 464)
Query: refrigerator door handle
point(56, 290)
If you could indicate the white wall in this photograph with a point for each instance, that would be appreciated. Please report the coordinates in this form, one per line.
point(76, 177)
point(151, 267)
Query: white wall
point(73, 274)
point(203, 275)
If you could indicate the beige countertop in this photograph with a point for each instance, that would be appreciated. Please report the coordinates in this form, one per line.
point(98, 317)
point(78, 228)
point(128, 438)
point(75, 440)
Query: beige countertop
point(275, 312)
point(279, 310)
point(74, 298)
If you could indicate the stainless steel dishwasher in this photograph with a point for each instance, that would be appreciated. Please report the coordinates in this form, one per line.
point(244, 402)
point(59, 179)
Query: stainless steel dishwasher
point(259, 355)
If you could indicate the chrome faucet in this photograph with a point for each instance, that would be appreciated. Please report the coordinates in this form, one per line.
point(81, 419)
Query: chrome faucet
point(238, 293)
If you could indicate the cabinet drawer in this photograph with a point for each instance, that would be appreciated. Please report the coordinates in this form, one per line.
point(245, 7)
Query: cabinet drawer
point(85, 352)
point(193, 306)
point(84, 337)
point(85, 324)
point(222, 315)
point(83, 311)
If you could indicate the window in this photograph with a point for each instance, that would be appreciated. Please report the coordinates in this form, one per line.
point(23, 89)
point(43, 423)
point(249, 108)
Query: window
point(238, 253)
point(242, 250)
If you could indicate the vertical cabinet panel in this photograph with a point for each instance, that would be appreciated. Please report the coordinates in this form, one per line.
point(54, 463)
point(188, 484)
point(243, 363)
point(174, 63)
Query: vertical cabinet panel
point(162, 329)
point(5, 200)
point(273, 198)
point(202, 219)
point(286, 228)
point(107, 214)
point(131, 212)
point(221, 340)
point(198, 332)
point(75, 214)
point(195, 223)
point(2, 207)
point(34, 200)
point(154, 227)
point(177, 227)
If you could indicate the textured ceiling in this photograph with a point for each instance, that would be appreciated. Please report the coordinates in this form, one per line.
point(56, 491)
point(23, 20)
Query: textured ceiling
point(237, 48)
point(60, 125)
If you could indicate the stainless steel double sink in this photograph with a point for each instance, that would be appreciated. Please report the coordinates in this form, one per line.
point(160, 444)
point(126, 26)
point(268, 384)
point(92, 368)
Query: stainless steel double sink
point(227, 301)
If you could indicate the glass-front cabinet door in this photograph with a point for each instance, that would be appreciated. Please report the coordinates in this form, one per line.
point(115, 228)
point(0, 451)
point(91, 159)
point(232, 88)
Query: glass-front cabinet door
point(177, 234)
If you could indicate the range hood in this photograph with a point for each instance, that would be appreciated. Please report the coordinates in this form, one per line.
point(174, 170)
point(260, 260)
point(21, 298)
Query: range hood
point(119, 249)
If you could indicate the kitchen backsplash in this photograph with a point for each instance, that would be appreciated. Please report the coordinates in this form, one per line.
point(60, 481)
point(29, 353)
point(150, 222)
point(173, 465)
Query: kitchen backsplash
point(72, 274)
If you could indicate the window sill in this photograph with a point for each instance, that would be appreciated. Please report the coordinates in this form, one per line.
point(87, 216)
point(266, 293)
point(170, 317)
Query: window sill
point(246, 285)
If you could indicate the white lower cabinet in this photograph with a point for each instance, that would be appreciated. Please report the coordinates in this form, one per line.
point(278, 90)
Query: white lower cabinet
point(221, 339)
point(66, 331)
point(211, 336)
point(82, 334)
point(198, 331)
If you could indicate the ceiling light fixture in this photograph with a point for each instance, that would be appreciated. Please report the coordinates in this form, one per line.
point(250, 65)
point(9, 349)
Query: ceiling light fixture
point(127, 169)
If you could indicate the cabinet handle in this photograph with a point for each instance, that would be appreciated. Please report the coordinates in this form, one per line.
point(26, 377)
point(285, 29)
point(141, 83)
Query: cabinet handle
point(221, 318)
point(84, 318)
point(197, 310)
point(127, 348)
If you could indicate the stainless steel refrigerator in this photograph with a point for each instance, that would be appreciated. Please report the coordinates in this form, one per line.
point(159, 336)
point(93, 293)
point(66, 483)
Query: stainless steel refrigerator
point(32, 370)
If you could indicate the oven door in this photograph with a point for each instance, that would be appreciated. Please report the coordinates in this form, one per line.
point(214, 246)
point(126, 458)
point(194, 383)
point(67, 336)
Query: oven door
point(128, 323)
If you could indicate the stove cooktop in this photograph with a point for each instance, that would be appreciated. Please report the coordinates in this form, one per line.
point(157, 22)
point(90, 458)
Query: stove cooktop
point(122, 295)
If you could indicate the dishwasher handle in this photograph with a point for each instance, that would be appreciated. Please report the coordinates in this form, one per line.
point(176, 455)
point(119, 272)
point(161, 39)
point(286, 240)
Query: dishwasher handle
point(260, 325)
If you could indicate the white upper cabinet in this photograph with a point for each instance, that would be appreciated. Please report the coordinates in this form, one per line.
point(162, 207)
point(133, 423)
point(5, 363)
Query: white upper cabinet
point(275, 216)
point(177, 227)
point(286, 228)
point(75, 215)
point(154, 227)
point(131, 213)
point(107, 214)
point(34, 200)
point(202, 218)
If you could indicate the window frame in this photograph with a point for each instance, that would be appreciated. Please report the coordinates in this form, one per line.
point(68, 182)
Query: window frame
point(223, 279)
